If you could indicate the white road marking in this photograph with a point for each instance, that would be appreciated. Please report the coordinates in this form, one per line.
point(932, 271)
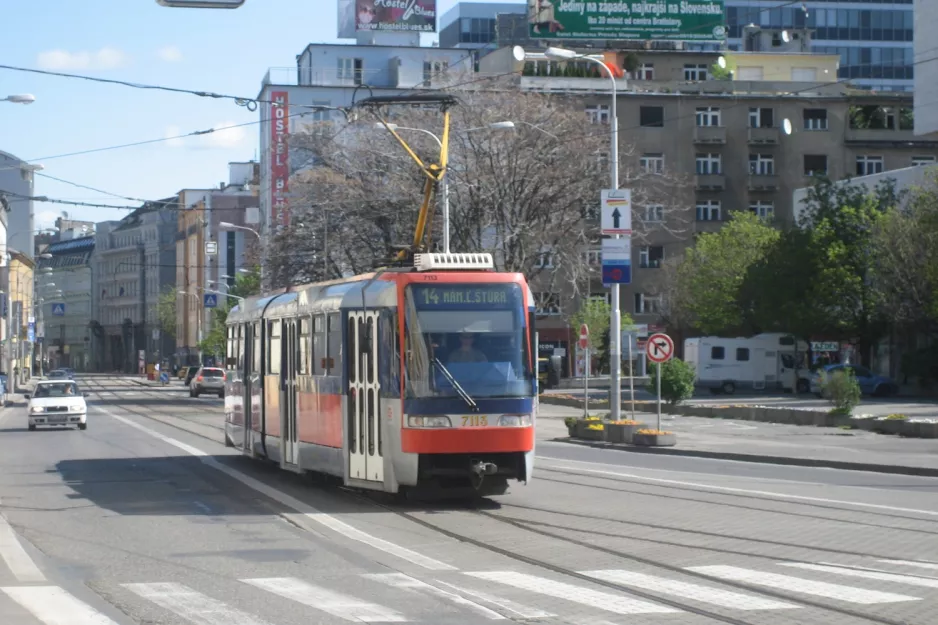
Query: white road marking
point(305, 509)
point(744, 491)
point(922, 565)
point(695, 592)
point(334, 603)
point(577, 594)
point(883, 576)
point(191, 605)
point(54, 606)
point(522, 611)
point(800, 585)
point(15, 557)
point(406, 582)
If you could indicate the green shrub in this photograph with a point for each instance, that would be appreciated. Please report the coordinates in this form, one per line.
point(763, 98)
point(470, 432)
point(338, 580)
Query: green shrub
point(842, 390)
point(896, 417)
point(677, 381)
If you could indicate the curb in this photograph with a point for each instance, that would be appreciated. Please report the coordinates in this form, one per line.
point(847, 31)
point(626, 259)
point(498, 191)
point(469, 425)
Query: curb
point(782, 460)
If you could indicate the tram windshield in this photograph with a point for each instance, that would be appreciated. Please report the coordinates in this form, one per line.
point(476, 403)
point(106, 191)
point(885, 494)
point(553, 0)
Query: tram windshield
point(474, 334)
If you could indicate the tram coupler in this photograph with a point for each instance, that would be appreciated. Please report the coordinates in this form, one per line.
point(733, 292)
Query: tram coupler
point(480, 468)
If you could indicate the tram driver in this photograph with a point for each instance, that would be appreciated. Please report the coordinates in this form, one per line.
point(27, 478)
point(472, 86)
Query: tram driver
point(466, 352)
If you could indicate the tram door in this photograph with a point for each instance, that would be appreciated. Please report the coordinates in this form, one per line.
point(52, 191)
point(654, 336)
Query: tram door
point(366, 461)
point(247, 372)
point(288, 360)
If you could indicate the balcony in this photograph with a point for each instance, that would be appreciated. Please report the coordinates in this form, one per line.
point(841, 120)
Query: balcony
point(868, 136)
point(764, 136)
point(763, 182)
point(321, 76)
point(710, 182)
point(704, 135)
point(564, 84)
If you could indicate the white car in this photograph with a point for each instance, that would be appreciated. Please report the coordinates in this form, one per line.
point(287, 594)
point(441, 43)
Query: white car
point(57, 403)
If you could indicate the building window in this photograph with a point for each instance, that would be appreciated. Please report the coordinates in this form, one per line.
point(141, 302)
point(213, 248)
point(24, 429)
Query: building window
point(593, 258)
point(761, 118)
point(350, 69)
point(547, 303)
point(651, 116)
point(600, 297)
point(646, 304)
point(654, 213)
point(545, 260)
point(645, 71)
point(922, 160)
point(650, 256)
point(708, 210)
point(695, 72)
point(867, 165)
point(815, 164)
point(708, 164)
point(763, 208)
point(708, 116)
point(432, 70)
point(815, 119)
point(652, 163)
point(762, 164)
point(598, 113)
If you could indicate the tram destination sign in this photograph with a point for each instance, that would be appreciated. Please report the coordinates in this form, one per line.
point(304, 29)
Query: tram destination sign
point(483, 296)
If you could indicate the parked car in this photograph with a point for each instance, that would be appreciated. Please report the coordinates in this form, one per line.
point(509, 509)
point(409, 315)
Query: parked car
point(56, 403)
point(58, 374)
point(870, 383)
point(208, 380)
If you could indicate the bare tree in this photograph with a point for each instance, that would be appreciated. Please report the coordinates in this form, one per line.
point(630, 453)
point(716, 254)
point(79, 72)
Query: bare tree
point(528, 195)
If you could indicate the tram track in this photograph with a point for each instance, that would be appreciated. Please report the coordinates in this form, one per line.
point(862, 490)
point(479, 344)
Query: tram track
point(375, 500)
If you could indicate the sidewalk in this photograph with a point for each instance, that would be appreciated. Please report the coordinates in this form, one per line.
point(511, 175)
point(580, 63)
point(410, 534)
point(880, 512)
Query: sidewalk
point(770, 443)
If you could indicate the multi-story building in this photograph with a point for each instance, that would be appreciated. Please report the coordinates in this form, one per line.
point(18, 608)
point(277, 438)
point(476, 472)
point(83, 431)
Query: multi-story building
point(209, 256)
point(16, 207)
point(724, 140)
point(873, 38)
point(64, 295)
point(133, 259)
point(484, 27)
point(18, 291)
point(328, 75)
point(926, 69)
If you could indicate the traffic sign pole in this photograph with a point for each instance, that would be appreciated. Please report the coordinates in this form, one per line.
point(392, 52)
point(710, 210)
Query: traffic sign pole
point(658, 423)
point(659, 349)
point(585, 346)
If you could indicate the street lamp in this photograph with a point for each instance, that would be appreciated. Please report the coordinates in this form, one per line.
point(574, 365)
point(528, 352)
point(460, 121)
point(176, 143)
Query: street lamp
point(230, 226)
point(20, 98)
point(444, 183)
point(615, 325)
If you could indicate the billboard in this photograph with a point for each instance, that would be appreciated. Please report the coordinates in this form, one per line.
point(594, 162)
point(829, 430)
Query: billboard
point(674, 20)
point(413, 16)
point(279, 157)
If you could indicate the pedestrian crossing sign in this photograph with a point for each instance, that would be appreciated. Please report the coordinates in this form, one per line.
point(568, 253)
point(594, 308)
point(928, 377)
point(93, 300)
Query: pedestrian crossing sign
point(58, 309)
point(211, 300)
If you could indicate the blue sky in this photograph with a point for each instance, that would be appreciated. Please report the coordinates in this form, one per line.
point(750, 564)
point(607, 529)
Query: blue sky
point(223, 51)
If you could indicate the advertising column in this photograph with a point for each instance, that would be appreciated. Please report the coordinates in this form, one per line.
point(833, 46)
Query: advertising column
point(279, 157)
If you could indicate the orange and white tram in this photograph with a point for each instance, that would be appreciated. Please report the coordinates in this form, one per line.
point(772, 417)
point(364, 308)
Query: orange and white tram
point(408, 377)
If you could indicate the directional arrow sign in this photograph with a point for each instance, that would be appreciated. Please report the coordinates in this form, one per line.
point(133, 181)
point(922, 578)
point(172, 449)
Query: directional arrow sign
point(616, 211)
point(659, 348)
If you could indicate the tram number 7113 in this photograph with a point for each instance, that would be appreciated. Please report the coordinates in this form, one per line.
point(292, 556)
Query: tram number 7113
point(475, 420)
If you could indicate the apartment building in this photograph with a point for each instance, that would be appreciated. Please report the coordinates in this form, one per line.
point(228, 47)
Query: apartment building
point(723, 144)
point(208, 255)
point(134, 258)
point(926, 69)
point(64, 292)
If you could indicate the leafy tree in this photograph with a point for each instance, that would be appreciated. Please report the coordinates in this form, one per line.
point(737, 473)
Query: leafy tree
point(712, 273)
point(596, 313)
point(166, 310)
point(246, 285)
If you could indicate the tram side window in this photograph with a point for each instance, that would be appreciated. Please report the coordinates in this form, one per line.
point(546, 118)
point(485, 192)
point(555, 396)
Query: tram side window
point(335, 345)
point(302, 366)
point(319, 345)
point(256, 353)
point(242, 335)
point(273, 348)
point(229, 345)
point(390, 355)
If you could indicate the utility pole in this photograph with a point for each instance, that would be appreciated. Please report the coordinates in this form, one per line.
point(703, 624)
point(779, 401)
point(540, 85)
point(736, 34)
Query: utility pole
point(143, 301)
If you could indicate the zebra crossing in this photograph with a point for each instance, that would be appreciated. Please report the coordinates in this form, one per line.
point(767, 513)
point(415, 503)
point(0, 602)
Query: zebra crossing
point(498, 595)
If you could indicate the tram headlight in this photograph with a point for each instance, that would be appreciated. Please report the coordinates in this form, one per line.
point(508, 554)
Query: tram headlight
point(429, 422)
point(515, 420)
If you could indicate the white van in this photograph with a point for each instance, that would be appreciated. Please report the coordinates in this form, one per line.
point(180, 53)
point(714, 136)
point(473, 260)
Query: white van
point(762, 362)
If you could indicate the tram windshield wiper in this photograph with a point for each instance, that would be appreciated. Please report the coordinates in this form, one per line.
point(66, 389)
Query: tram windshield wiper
point(459, 389)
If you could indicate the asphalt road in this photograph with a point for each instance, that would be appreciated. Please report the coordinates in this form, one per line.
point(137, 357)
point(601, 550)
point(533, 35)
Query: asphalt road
point(147, 518)
point(868, 405)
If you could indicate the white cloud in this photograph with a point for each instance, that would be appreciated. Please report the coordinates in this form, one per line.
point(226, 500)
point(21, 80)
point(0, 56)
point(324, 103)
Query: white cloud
point(170, 54)
point(105, 58)
point(46, 219)
point(228, 138)
point(172, 134)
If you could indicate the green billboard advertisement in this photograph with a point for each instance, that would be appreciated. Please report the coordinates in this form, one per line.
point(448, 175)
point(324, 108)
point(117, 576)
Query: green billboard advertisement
point(675, 20)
